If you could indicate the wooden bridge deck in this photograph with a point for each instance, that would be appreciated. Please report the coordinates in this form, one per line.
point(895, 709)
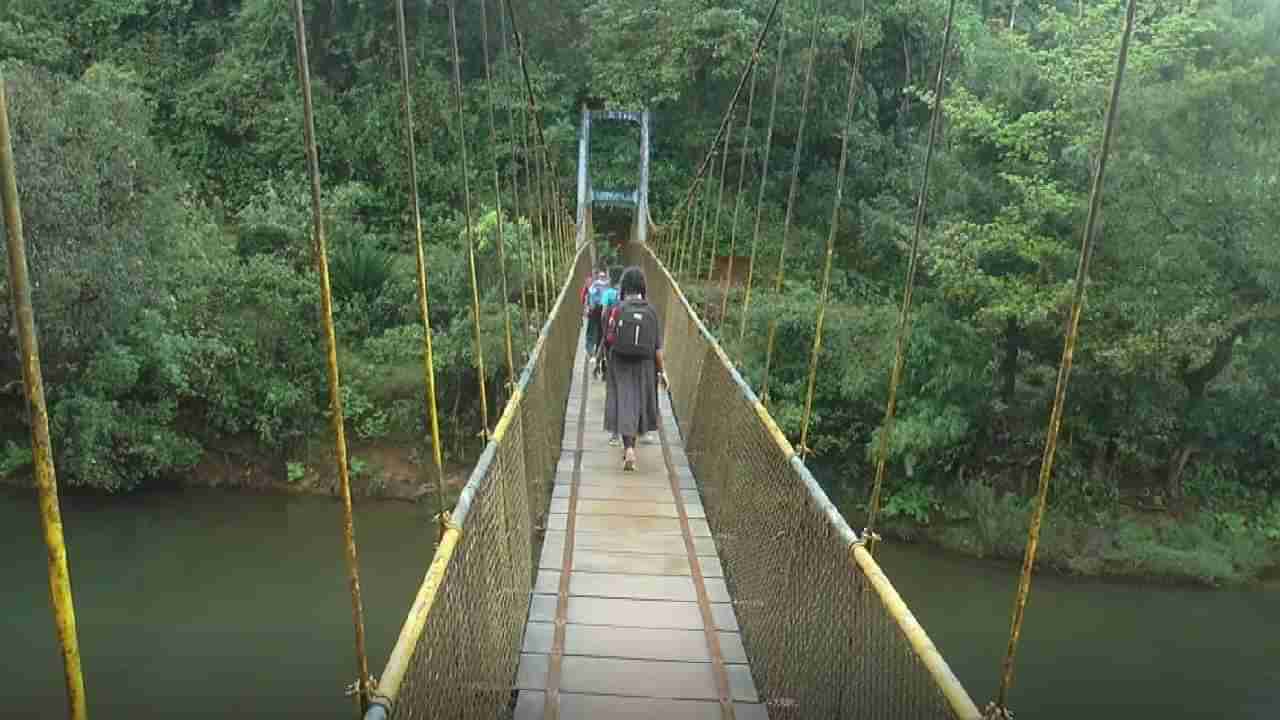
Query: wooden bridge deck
point(622, 633)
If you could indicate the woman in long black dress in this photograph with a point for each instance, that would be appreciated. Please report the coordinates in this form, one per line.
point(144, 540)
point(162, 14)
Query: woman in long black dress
point(631, 399)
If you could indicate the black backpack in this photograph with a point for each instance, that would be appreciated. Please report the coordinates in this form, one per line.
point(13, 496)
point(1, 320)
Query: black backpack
point(635, 334)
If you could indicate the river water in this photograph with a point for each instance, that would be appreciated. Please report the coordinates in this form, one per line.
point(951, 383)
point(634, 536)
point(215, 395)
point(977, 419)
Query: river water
point(206, 604)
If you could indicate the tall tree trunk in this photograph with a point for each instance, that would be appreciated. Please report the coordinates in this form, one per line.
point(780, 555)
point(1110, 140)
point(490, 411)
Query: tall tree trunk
point(1197, 383)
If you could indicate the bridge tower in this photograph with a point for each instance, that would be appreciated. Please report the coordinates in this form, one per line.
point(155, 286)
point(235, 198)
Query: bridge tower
point(638, 197)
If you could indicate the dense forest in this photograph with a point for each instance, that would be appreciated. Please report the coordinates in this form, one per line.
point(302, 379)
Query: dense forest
point(162, 175)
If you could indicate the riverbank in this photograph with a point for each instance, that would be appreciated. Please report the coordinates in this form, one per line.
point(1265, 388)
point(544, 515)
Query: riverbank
point(378, 470)
point(1196, 546)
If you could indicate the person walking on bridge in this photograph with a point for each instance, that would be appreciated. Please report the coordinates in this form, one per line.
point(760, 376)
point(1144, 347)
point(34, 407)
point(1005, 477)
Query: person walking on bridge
point(595, 293)
point(635, 367)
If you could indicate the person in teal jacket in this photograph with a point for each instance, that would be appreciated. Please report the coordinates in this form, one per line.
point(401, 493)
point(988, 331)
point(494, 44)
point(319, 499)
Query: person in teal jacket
point(608, 299)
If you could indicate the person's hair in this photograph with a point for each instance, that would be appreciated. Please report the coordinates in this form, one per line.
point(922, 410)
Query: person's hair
point(632, 282)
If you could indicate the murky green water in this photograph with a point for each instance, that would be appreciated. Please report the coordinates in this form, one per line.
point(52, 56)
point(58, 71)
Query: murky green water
point(205, 604)
point(1093, 649)
point(223, 605)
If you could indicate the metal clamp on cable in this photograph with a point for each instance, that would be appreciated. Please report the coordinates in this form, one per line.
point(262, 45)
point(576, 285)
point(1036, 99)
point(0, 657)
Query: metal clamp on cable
point(863, 537)
point(446, 521)
point(353, 688)
point(996, 712)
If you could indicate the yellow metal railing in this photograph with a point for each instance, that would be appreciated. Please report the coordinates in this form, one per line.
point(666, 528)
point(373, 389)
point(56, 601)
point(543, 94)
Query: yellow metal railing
point(826, 633)
point(459, 647)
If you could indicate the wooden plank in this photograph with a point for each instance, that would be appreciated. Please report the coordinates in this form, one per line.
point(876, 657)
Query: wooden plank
point(647, 643)
point(625, 492)
point(621, 612)
point(638, 678)
point(576, 706)
point(625, 542)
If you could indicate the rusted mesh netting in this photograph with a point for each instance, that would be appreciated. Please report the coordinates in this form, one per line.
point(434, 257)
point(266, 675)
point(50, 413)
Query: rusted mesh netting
point(457, 653)
point(826, 634)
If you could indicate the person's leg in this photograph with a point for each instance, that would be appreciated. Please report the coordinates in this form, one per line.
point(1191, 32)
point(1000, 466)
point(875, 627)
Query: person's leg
point(629, 454)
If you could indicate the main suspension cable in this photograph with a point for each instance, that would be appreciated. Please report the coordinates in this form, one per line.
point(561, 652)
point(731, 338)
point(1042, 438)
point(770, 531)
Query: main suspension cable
point(791, 203)
point(428, 358)
point(470, 234)
point(999, 709)
point(904, 317)
point(46, 479)
point(364, 687)
point(851, 95)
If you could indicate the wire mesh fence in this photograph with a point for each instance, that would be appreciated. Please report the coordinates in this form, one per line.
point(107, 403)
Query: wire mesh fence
point(826, 634)
point(459, 648)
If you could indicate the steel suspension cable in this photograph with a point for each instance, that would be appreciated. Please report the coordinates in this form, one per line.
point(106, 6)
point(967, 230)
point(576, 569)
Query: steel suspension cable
point(364, 687)
point(764, 181)
point(541, 140)
point(724, 168)
point(904, 316)
point(497, 195)
point(702, 234)
point(550, 249)
point(515, 201)
point(733, 103)
point(428, 357)
point(999, 709)
point(533, 187)
point(680, 228)
point(791, 202)
point(470, 233)
point(851, 95)
point(737, 205)
point(46, 479)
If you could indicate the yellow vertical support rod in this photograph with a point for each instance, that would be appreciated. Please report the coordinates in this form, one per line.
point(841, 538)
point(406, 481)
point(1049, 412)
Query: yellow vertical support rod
point(791, 202)
point(904, 315)
point(702, 234)
point(428, 358)
point(533, 167)
point(724, 170)
point(733, 103)
point(64, 612)
point(537, 231)
point(471, 240)
point(831, 236)
point(534, 176)
point(497, 194)
point(515, 201)
point(737, 199)
point(364, 689)
point(1064, 373)
point(540, 140)
point(764, 181)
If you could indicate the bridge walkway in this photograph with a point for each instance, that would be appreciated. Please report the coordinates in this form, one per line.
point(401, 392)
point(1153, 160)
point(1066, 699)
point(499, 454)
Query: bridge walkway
point(624, 632)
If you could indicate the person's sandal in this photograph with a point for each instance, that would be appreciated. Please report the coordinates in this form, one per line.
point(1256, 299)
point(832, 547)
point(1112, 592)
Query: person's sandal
point(628, 463)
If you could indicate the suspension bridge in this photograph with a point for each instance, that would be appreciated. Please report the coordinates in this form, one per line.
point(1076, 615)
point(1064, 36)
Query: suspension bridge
point(718, 581)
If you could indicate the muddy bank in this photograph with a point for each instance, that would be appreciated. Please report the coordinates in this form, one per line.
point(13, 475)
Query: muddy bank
point(383, 470)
